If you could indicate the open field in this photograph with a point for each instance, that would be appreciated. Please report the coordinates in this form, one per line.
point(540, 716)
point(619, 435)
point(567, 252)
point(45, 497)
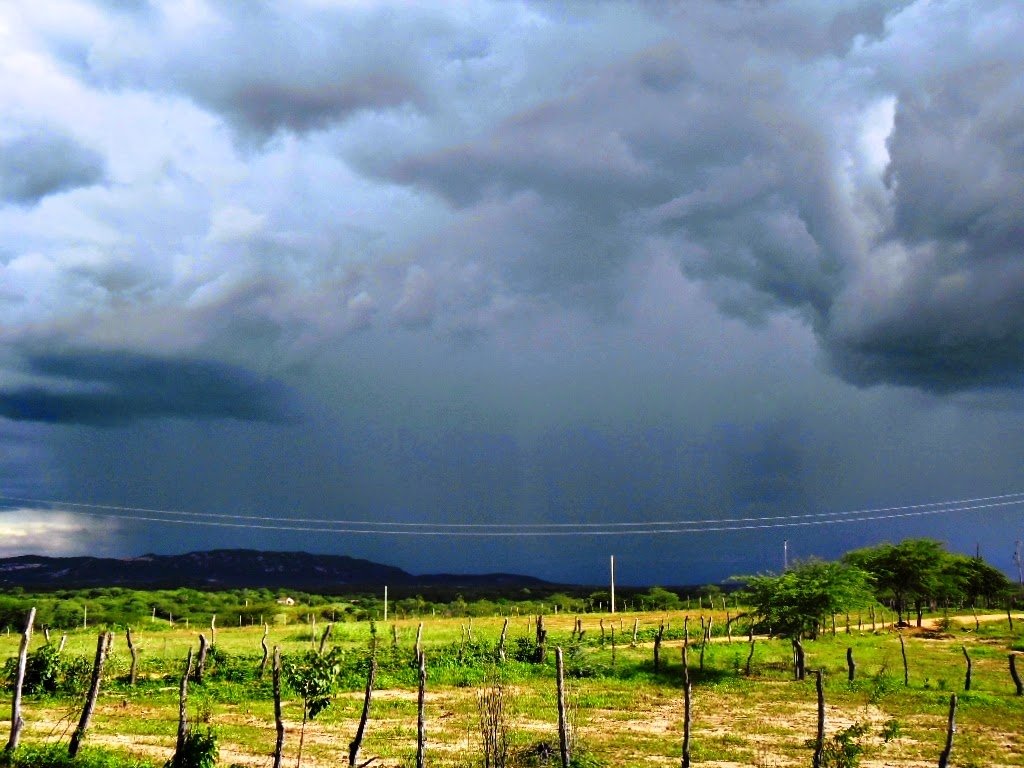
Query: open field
point(626, 713)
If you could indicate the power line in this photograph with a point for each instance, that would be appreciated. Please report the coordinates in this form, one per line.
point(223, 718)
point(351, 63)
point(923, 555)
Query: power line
point(1013, 498)
point(691, 527)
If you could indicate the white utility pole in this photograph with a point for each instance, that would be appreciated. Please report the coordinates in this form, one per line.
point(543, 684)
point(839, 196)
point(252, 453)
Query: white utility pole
point(385, 603)
point(612, 603)
point(785, 554)
point(1020, 565)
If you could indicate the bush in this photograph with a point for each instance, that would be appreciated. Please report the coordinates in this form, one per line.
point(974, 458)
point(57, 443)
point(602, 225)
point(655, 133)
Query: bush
point(198, 751)
point(844, 749)
point(56, 756)
point(47, 672)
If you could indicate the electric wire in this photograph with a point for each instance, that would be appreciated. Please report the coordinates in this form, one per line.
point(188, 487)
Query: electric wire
point(707, 525)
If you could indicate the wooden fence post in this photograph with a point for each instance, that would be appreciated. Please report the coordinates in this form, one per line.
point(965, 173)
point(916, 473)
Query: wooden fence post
point(326, 636)
point(950, 730)
point(421, 726)
point(179, 744)
point(278, 720)
point(906, 669)
point(201, 661)
point(687, 717)
point(135, 656)
point(852, 667)
point(657, 647)
point(1014, 675)
point(266, 652)
point(819, 741)
point(563, 726)
point(798, 659)
point(17, 723)
point(353, 747)
point(102, 649)
point(419, 643)
point(967, 676)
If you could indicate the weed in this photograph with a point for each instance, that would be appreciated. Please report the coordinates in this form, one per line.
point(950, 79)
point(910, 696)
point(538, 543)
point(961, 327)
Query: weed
point(891, 730)
point(198, 751)
point(843, 750)
point(56, 756)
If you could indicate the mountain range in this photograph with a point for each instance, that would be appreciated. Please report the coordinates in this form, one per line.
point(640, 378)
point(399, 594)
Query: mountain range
point(234, 568)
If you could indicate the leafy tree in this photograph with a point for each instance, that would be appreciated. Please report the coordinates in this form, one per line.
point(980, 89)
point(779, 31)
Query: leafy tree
point(314, 676)
point(920, 571)
point(797, 602)
point(661, 599)
point(976, 580)
point(908, 572)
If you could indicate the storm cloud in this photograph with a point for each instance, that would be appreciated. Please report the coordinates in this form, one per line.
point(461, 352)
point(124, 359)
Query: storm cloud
point(116, 388)
point(540, 261)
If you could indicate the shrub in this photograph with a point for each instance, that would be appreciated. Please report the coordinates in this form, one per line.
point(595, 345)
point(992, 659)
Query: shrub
point(56, 756)
point(198, 751)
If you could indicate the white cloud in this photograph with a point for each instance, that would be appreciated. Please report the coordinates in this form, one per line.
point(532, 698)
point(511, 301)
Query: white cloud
point(46, 532)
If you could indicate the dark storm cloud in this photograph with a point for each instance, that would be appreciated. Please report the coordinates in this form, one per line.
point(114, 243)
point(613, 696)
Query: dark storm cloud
point(953, 318)
point(724, 142)
point(728, 164)
point(117, 388)
point(41, 162)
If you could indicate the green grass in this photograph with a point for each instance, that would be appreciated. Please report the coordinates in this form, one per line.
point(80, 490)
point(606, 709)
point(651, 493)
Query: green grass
point(627, 713)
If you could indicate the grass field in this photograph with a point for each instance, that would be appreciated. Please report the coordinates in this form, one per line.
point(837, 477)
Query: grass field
point(626, 714)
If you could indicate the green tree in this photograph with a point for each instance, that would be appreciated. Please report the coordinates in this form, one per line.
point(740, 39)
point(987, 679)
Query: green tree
point(797, 602)
point(661, 599)
point(917, 572)
point(314, 676)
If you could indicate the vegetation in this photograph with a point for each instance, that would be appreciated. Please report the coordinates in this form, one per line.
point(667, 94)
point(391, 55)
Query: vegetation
point(796, 603)
point(480, 710)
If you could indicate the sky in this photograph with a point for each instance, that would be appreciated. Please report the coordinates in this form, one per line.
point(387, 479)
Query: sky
point(676, 282)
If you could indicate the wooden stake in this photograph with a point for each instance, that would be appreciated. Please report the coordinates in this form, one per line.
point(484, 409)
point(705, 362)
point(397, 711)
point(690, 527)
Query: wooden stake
point(102, 648)
point(819, 741)
point(201, 661)
point(266, 652)
point(906, 669)
point(17, 723)
point(421, 730)
point(687, 717)
point(950, 730)
point(353, 747)
point(1014, 675)
point(563, 733)
point(135, 656)
point(278, 720)
point(179, 744)
point(326, 636)
point(851, 666)
point(501, 641)
point(967, 676)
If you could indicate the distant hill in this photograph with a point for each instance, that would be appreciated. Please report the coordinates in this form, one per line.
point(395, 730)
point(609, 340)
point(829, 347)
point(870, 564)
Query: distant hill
point(232, 569)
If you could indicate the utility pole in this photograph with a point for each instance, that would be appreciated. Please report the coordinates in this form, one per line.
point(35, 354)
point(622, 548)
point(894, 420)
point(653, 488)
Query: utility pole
point(785, 554)
point(385, 603)
point(613, 582)
point(1020, 564)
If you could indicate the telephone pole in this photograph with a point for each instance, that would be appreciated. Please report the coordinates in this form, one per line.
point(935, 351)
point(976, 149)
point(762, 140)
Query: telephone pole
point(612, 603)
point(785, 554)
point(1020, 564)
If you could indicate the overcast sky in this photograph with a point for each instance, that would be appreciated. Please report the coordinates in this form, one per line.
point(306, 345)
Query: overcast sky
point(511, 262)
